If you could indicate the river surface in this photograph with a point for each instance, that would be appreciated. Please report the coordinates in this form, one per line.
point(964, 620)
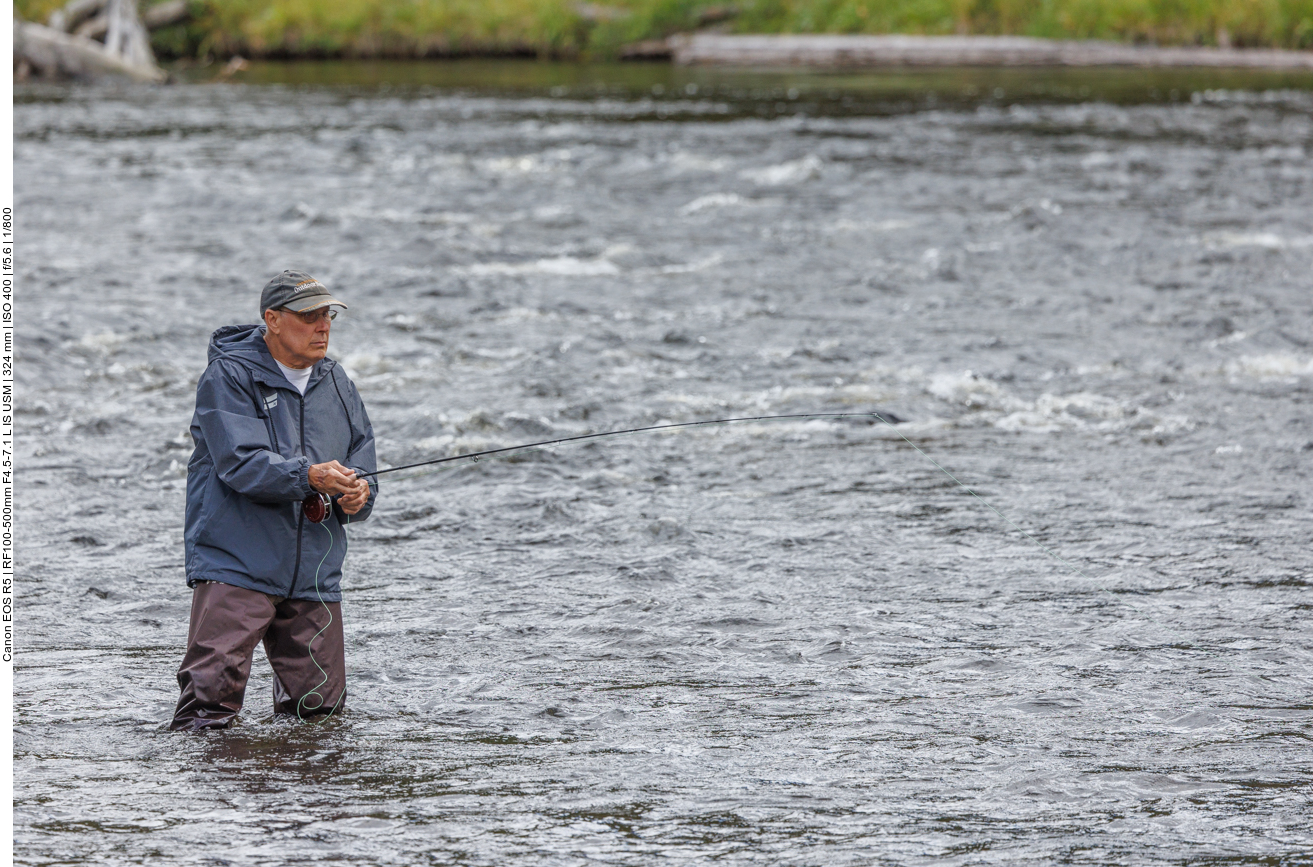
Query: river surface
point(780, 643)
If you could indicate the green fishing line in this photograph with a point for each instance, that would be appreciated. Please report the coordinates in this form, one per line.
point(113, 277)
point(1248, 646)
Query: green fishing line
point(310, 649)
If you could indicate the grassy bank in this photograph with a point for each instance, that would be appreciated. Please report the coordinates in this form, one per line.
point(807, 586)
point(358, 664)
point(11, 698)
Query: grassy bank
point(567, 28)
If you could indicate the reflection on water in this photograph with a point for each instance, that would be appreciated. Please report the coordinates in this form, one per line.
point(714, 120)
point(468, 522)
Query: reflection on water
point(793, 643)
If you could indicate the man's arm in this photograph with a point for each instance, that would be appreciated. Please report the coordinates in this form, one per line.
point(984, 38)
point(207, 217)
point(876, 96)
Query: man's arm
point(239, 445)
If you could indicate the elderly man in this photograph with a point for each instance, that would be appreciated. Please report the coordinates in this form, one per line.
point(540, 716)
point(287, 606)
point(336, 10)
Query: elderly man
point(277, 423)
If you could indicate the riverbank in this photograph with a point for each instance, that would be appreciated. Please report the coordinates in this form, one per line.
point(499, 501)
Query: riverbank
point(565, 28)
point(674, 91)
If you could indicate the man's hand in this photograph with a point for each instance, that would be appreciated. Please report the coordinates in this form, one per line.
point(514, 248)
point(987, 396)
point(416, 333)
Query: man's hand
point(355, 501)
point(333, 478)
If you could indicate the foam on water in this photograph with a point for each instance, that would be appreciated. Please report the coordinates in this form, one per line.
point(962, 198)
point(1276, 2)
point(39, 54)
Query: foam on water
point(808, 168)
point(566, 266)
point(1278, 364)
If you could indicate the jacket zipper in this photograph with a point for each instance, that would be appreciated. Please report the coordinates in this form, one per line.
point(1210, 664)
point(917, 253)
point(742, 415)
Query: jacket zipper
point(300, 520)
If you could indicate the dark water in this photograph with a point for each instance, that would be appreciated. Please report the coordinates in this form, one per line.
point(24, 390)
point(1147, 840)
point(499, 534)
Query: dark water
point(793, 643)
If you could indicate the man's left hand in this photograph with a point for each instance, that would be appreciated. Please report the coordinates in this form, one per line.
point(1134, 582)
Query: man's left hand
point(356, 499)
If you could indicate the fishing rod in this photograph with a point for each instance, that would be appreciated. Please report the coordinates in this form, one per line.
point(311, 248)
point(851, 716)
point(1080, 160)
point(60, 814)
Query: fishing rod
point(317, 507)
point(474, 456)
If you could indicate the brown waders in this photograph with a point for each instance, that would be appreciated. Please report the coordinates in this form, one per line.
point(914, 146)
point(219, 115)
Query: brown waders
point(226, 623)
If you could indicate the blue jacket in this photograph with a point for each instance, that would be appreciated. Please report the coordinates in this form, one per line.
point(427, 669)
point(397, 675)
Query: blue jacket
point(256, 437)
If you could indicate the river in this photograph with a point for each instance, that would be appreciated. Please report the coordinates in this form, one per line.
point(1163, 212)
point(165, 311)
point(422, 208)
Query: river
point(1086, 295)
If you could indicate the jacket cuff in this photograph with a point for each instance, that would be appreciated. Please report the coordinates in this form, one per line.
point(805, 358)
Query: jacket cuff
point(303, 479)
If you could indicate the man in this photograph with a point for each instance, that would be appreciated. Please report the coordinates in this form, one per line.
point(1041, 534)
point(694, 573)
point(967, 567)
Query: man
point(275, 421)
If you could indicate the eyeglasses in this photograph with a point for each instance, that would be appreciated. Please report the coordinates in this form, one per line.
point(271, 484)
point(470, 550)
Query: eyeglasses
point(313, 316)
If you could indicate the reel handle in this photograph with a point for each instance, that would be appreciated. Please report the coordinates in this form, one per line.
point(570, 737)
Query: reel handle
point(317, 507)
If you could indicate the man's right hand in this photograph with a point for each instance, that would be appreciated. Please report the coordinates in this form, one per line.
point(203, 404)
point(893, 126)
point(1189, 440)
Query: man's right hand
point(355, 501)
point(332, 478)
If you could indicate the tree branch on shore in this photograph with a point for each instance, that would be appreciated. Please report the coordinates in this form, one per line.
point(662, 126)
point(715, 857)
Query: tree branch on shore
point(90, 38)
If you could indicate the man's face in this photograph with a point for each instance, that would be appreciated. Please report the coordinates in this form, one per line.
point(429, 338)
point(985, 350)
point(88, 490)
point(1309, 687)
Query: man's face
point(301, 336)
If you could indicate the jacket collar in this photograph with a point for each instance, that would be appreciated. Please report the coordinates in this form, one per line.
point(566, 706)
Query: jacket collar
point(245, 344)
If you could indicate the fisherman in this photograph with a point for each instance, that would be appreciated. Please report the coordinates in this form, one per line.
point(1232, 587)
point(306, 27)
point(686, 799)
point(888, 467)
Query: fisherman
point(276, 420)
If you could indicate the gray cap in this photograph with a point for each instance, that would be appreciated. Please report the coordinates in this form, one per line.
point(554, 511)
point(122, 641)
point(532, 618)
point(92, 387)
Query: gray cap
point(296, 290)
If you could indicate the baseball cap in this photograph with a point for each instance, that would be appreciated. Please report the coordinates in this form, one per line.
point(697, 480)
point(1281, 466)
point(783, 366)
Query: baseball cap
point(296, 290)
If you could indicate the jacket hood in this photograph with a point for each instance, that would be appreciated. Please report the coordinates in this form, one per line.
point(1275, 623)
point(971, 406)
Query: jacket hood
point(245, 344)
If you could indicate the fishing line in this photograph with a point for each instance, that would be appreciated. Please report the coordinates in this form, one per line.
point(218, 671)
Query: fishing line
point(310, 648)
point(474, 456)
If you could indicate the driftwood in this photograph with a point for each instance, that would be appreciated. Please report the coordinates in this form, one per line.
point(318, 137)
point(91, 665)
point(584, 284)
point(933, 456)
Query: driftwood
point(54, 54)
point(857, 51)
point(68, 46)
point(93, 28)
point(127, 36)
point(78, 15)
point(97, 26)
point(72, 16)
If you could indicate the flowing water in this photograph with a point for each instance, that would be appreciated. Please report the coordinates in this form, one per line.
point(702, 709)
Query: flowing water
point(784, 643)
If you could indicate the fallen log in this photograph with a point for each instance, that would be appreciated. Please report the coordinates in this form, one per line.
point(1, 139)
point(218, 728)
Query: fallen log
point(156, 17)
point(827, 50)
point(93, 28)
point(88, 18)
point(126, 36)
point(52, 53)
point(74, 13)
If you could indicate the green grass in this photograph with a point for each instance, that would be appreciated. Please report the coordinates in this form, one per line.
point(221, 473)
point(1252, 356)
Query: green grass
point(563, 28)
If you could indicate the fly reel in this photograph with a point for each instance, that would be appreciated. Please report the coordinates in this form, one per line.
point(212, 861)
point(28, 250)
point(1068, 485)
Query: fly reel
point(317, 507)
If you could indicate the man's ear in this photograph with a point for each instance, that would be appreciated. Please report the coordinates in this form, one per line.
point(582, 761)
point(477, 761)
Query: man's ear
point(271, 320)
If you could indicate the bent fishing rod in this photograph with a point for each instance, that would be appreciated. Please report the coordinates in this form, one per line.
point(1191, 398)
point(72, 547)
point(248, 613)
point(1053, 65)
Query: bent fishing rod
point(317, 506)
